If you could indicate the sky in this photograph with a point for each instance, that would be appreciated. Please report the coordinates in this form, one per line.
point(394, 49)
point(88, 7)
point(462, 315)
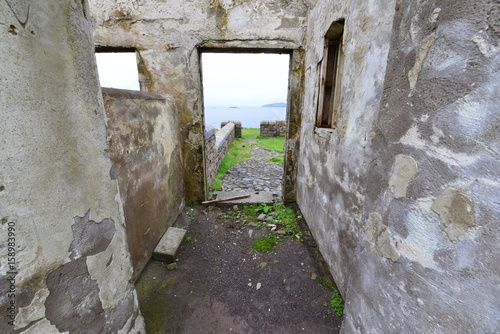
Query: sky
point(244, 80)
point(229, 79)
point(118, 70)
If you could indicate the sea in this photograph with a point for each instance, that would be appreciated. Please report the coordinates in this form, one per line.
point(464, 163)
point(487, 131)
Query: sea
point(249, 117)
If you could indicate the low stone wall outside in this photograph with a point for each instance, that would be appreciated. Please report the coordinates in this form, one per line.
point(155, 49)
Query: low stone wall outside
point(216, 146)
point(237, 127)
point(272, 128)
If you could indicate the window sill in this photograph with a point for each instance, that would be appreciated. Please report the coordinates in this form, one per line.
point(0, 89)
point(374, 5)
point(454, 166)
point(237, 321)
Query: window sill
point(325, 132)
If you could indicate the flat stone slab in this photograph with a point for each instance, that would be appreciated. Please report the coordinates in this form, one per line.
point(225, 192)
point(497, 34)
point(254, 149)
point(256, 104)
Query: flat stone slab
point(169, 245)
point(255, 197)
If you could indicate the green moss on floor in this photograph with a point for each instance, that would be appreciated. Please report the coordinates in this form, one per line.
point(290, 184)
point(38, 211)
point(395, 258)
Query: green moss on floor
point(156, 307)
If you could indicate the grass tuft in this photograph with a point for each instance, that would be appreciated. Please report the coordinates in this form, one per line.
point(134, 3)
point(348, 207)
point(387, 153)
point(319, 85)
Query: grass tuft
point(265, 243)
point(336, 302)
point(279, 159)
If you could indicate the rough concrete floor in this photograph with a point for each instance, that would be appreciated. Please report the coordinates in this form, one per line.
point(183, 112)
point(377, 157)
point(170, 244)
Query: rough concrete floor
point(222, 285)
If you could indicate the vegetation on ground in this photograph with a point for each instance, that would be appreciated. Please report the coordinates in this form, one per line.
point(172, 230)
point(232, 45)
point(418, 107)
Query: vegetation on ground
point(250, 133)
point(238, 151)
point(275, 144)
point(265, 243)
point(278, 218)
point(336, 302)
point(279, 159)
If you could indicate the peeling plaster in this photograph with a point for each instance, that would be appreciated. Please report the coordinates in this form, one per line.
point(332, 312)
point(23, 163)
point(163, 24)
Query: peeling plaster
point(377, 232)
point(456, 211)
point(34, 311)
point(413, 74)
point(404, 170)
point(90, 237)
point(111, 291)
point(43, 326)
point(484, 44)
point(422, 240)
point(435, 15)
point(412, 138)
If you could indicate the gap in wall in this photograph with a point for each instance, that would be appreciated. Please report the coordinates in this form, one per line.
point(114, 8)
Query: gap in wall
point(118, 69)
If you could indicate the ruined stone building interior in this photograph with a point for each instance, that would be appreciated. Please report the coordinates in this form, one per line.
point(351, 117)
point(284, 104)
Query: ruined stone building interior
point(392, 152)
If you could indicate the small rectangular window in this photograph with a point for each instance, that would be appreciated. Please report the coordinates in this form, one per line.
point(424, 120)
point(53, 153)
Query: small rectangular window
point(118, 68)
point(331, 76)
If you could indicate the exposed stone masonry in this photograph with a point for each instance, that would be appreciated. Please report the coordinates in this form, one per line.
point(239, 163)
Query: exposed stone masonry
point(216, 147)
point(273, 128)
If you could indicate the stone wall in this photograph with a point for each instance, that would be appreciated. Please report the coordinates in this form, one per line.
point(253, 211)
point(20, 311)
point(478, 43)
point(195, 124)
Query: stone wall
point(237, 127)
point(168, 37)
point(216, 146)
point(57, 197)
point(144, 149)
point(272, 128)
point(402, 196)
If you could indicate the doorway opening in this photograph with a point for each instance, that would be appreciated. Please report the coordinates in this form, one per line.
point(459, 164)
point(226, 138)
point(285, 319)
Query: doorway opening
point(245, 116)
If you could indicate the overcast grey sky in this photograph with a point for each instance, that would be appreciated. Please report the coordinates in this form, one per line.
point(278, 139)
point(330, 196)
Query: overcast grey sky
point(118, 70)
point(229, 79)
point(242, 79)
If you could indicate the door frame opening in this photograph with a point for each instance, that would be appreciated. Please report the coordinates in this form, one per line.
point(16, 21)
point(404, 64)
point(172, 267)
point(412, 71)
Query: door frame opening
point(294, 101)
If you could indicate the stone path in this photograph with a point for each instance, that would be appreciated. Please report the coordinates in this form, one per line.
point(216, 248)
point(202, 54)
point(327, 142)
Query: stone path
point(255, 174)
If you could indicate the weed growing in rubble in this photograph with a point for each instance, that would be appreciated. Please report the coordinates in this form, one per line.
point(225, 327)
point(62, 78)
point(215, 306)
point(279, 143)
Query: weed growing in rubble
point(282, 222)
point(279, 217)
point(336, 302)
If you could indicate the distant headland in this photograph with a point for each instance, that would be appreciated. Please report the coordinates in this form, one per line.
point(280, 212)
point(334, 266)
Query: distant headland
point(275, 105)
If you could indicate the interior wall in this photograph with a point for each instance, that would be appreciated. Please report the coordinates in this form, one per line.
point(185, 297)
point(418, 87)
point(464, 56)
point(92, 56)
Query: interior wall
point(167, 36)
point(402, 196)
point(65, 266)
point(144, 149)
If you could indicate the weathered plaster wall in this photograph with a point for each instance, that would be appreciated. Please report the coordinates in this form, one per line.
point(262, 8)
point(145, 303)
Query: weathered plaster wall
point(144, 149)
point(167, 34)
point(403, 196)
point(70, 252)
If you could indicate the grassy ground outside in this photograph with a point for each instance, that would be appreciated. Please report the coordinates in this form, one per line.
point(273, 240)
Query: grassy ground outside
point(275, 144)
point(250, 133)
point(238, 151)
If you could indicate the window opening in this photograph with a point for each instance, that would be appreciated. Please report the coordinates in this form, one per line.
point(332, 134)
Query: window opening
point(118, 69)
point(331, 77)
